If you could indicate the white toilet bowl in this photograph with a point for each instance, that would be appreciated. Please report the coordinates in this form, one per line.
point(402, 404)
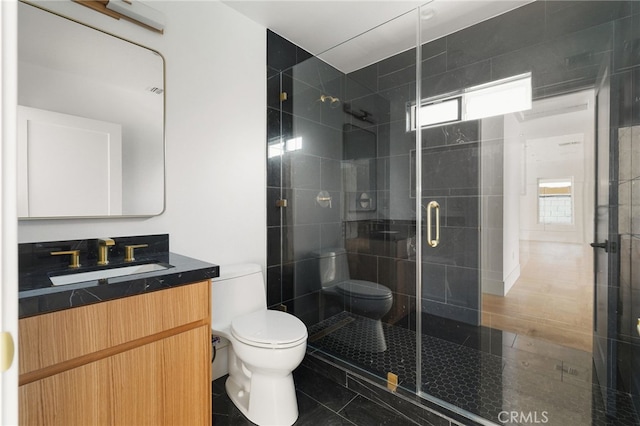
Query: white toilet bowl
point(266, 346)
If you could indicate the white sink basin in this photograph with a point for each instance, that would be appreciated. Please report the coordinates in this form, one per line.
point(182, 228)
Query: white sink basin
point(107, 273)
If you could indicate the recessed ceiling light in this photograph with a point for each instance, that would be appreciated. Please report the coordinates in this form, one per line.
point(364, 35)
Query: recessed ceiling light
point(427, 14)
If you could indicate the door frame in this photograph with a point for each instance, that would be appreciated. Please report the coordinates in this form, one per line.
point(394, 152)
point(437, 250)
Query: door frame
point(8, 207)
point(605, 258)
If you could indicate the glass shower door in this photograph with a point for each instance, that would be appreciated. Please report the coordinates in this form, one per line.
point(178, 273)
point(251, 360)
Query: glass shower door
point(507, 289)
point(447, 189)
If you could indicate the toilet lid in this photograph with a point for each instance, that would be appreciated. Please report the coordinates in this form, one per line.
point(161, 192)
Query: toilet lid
point(269, 328)
point(363, 289)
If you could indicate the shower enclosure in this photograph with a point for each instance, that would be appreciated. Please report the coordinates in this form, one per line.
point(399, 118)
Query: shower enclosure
point(427, 162)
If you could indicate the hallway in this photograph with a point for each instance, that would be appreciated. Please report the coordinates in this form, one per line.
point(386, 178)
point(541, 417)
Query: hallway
point(553, 298)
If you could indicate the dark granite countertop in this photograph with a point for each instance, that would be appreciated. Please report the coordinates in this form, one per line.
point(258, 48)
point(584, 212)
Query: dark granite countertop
point(37, 295)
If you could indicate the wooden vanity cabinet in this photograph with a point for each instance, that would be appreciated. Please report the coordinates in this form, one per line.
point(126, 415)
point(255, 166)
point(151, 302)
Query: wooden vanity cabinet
point(140, 360)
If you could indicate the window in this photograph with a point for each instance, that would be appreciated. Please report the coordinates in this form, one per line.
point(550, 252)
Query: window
point(555, 201)
point(486, 100)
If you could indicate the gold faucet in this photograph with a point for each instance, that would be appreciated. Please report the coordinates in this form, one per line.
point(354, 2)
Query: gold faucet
point(75, 257)
point(128, 251)
point(103, 250)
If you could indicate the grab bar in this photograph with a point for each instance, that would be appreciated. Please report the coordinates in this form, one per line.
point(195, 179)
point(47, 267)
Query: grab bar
point(433, 205)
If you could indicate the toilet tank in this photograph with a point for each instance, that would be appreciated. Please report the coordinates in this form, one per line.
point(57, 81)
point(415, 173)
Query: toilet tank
point(333, 266)
point(237, 291)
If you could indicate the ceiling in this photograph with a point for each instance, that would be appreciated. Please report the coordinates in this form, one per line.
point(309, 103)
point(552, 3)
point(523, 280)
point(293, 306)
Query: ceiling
point(319, 25)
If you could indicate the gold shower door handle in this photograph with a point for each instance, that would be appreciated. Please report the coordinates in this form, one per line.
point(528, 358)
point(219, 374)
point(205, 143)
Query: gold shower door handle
point(433, 205)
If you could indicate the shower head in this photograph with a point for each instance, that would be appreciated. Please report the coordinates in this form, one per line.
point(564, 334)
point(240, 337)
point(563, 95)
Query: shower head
point(333, 101)
point(362, 115)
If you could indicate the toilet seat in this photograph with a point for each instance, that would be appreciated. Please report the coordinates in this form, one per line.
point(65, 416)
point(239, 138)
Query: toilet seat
point(363, 290)
point(269, 329)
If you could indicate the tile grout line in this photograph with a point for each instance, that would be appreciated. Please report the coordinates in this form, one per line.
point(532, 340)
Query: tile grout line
point(328, 408)
point(349, 402)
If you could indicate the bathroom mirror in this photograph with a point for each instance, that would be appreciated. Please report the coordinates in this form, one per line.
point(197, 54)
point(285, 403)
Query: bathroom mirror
point(90, 121)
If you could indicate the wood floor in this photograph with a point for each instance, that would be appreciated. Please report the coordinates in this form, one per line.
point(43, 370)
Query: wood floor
point(553, 298)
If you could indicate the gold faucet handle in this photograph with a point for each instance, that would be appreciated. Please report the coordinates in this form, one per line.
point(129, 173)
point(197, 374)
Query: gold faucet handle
point(128, 251)
point(106, 242)
point(103, 250)
point(75, 257)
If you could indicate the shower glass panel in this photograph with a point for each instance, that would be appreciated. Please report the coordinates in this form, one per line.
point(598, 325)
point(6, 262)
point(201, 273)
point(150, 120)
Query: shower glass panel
point(508, 287)
point(405, 213)
point(348, 235)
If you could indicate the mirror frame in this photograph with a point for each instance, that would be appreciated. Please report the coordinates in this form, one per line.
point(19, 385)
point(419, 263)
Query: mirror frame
point(164, 119)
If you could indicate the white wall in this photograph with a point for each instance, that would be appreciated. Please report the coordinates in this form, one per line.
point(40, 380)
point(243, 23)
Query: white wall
point(559, 143)
point(500, 182)
point(215, 134)
point(511, 207)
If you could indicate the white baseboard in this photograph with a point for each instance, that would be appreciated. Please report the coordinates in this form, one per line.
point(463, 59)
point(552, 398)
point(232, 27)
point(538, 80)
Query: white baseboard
point(511, 279)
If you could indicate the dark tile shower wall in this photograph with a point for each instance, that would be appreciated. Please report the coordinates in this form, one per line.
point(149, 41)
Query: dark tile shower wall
point(336, 140)
point(297, 231)
point(381, 240)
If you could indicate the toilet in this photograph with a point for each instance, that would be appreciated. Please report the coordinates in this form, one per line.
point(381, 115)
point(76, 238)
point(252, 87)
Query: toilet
point(364, 298)
point(266, 346)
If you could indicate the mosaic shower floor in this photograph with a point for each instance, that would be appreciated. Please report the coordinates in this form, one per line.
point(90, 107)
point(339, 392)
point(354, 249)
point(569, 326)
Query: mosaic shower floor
point(483, 371)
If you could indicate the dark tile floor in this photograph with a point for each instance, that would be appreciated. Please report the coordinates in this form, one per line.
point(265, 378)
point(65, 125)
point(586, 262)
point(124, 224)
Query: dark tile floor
point(480, 370)
point(483, 371)
point(321, 401)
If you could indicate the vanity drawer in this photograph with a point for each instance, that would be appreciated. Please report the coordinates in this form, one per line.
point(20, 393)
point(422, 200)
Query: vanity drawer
point(58, 337)
point(130, 388)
